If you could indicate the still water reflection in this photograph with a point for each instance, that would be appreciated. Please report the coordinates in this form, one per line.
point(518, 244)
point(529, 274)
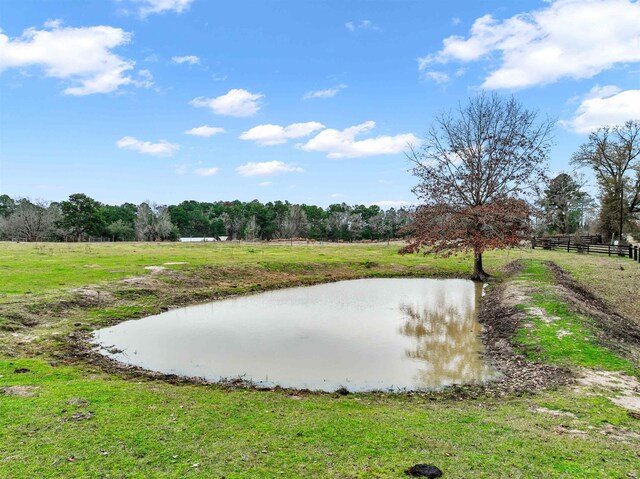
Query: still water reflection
point(366, 334)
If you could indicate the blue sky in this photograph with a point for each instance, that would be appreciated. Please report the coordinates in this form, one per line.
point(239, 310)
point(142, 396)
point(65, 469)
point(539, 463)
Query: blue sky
point(306, 101)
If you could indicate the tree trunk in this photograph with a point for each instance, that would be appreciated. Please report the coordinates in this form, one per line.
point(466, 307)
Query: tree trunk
point(478, 272)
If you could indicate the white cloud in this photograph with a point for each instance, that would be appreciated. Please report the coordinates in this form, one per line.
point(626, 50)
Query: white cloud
point(53, 24)
point(392, 204)
point(162, 148)
point(362, 25)
point(82, 56)
point(236, 102)
point(204, 131)
point(206, 171)
point(145, 81)
point(606, 105)
point(455, 21)
point(438, 77)
point(566, 39)
point(147, 7)
point(265, 183)
point(336, 195)
point(190, 59)
point(277, 135)
point(328, 93)
point(267, 168)
point(342, 144)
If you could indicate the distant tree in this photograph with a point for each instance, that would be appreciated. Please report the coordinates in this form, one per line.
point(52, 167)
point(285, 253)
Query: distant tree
point(366, 213)
point(391, 224)
point(234, 219)
point(30, 221)
point(472, 169)
point(263, 215)
point(375, 225)
point(81, 216)
point(355, 226)
point(613, 153)
point(279, 212)
point(191, 218)
point(563, 204)
point(252, 230)
point(7, 206)
point(295, 223)
point(120, 230)
point(153, 223)
point(337, 221)
point(125, 212)
point(316, 220)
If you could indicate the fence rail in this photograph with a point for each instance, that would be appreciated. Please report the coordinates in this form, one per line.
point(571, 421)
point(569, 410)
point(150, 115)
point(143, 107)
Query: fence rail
point(587, 245)
point(564, 239)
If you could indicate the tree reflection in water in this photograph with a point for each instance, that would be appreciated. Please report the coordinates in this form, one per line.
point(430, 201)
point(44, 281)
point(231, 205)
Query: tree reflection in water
point(447, 337)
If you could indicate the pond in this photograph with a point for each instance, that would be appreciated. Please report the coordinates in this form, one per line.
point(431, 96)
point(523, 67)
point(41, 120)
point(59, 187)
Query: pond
point(366, 334)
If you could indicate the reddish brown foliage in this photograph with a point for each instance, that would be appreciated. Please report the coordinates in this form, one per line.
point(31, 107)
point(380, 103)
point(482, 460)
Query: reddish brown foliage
point(446, 229)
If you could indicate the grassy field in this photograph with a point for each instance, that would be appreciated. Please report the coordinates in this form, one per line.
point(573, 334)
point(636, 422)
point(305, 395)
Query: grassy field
point(65, 419)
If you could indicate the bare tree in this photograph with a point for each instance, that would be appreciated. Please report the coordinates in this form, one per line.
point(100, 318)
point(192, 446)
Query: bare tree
point(473, 167)
point(30, 220)
point(613, 153)
point(153, 223)
point(355, 225)
point(295, 222)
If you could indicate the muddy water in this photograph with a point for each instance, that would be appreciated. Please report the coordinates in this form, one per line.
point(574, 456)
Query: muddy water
point(366, 334)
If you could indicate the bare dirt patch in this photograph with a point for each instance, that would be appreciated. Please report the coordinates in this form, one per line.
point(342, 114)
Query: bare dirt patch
point(570, 431)
point(618, 433)
point(91, 296)
point(552, 412)
point(155, 269)
point(22, 391)
point(620, 388)
point(145, 281)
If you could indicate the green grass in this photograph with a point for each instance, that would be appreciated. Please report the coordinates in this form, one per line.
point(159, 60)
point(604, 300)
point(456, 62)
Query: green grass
point(567, 338)
point(43, 267)
point(141, 428)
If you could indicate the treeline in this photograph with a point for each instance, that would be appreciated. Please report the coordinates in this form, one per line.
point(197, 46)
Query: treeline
point(612, 155)
point(81, 218)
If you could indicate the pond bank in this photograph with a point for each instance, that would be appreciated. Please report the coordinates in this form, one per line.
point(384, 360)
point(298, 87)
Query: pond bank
point(504, 311)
